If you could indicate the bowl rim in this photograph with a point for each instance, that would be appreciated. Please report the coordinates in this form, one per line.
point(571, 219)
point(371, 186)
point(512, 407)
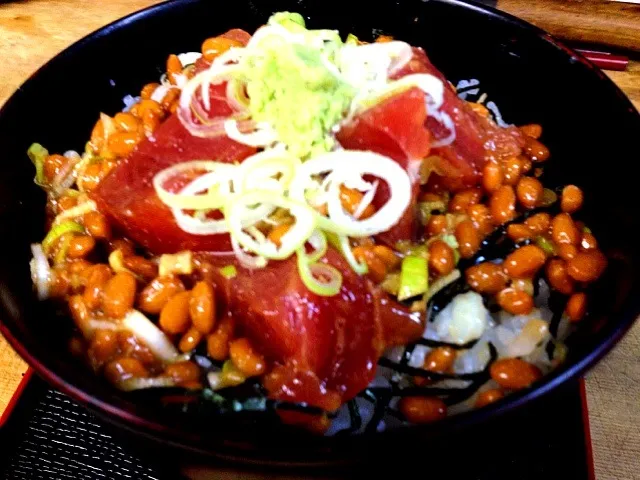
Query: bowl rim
point(180, 438)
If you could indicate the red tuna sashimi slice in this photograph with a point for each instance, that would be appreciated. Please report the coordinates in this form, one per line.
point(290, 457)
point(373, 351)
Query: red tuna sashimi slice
point(325, 348)
point(396, 128)
point(478, 139)
point(129, 200)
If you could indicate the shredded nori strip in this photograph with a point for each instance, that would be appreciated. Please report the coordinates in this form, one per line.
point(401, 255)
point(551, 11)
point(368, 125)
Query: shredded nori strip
point(497, 245)
point(557, 303)
point(427, 342)
point(408, 351)
point(419, 372)
point(298, 407)
point(441, 299)
point(355, 422)
point(381, 404)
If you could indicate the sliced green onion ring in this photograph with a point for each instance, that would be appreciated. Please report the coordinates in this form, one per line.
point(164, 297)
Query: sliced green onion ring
point(116, 262)
point(318, 240)
point(414, 277)
point(236, 94)
point(154, 338)
point(37, 153)
point(341, 243)
point(77, 211)
point(343, 166)
point(229, 271)
point(263, 135)
point(248, 261)
point(215, 75)
point(320, 278)
point(260, 168)
point(295, 238)
point(197, 226)
point(57, 231)
point(218, 174)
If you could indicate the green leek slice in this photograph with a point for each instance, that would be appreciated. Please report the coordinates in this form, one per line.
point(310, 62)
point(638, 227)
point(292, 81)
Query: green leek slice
point(414, 277)
point(59, 230)
point(37, 153)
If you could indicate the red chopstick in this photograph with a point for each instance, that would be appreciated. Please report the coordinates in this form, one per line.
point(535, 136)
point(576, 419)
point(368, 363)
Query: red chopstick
point(604, 60)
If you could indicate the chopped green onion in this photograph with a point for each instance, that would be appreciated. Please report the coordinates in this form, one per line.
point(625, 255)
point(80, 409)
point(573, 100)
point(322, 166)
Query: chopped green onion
point(437, 206)
point(319, 243)
point(116, 262)
point(352, 40)
point(63, 248)
point(37, 153)
point(428, 208)
point(586, 229)
point(545, 245)
point(456, 256)
point(74, 212)
point(180, 263)
point(549, 197)
point(229, 271)
point(292, 21)
point(412, 249)
point(391, 283)
point(450, 240)
point(59, 230)
point(231, 375)
point(341, 243)
point(414, 277)
point(559, 352)
point(320, 278)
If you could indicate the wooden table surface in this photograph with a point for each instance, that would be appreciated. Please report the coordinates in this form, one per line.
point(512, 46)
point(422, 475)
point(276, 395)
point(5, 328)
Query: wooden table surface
point(31, 32)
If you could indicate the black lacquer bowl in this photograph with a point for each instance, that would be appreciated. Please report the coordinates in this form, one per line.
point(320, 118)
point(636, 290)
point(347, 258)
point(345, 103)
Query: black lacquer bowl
point(590, 127)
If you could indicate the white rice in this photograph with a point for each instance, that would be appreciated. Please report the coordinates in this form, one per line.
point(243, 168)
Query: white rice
point(465, 319)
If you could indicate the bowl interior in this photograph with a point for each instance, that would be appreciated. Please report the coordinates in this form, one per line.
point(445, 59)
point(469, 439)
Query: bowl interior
point(588, 125)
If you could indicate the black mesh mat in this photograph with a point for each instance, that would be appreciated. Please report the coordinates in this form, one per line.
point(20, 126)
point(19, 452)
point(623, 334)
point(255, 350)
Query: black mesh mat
point(50, 437)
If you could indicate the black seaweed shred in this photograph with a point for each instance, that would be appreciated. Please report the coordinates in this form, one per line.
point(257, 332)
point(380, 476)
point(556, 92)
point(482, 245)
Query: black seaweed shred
point(557, 304)
point(427, 342)
point(381, 403)
point(420, 372)
point(355, 419)
point(444, 296)
point(496, 246)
